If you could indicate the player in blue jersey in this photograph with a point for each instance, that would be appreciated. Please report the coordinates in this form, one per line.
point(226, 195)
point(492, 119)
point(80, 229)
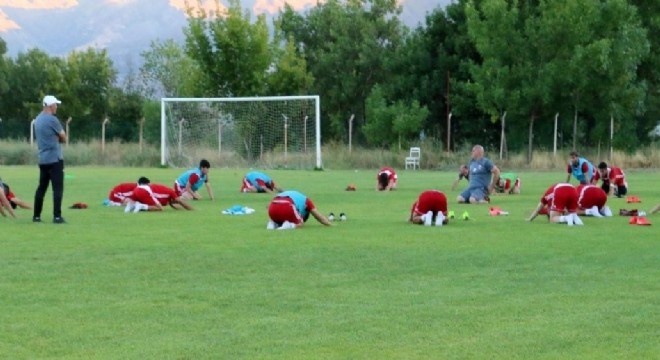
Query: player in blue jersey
point(189, 182)
point(256, 181)
point(580, 168)
point(290, 209)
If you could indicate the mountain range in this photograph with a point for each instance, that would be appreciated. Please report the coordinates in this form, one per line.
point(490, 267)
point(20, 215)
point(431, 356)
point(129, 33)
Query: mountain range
point(126, 28)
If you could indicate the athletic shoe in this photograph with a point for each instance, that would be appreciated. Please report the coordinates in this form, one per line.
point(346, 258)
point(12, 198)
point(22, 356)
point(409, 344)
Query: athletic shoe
point(594, 211)
point(428, 218)
point(287, 226)
point(342, 217)
point(605, 211)
point(36, 219)
point(139, 207)
point(59, 220)
point(576, 219)
point(331, 217)
point(271, 225)
point(130, 207)
point(569, 219)
point(439, 220)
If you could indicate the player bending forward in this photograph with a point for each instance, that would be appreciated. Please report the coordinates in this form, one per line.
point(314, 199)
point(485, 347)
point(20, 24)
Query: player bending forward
point(592, 200)
point(562, 199)
point(154, 197)
point(430, 208)
point(291, 209)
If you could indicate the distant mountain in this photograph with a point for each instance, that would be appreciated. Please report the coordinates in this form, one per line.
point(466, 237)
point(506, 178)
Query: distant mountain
point(124, 27)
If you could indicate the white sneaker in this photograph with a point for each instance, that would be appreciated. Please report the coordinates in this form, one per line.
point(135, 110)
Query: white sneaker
point(595, 212)
point(576, 219)
point(130, 207)
point(286, 226)
point(439, 220)
point(569, 219)
point(271, 225)
point(139, 207)
point(428, 218)
point(605, 211)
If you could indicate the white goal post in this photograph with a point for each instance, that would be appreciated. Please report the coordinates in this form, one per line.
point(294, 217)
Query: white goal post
point(262, 132)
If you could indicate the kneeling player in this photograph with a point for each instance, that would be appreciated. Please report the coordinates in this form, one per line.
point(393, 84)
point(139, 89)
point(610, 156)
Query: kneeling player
point(591, 201)
point(562, 199)
point(291, 209)
point(258, 182)
point(153, 197)
point(120, 194)
point(430, 208)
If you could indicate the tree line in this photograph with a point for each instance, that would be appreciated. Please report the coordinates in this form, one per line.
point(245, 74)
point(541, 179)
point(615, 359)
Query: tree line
point(452, 80)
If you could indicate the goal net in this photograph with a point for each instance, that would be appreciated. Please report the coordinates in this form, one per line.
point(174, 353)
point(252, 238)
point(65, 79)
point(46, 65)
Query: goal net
point(264, 132)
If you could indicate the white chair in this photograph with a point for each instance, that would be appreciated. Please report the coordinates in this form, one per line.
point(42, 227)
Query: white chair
point(413, 158)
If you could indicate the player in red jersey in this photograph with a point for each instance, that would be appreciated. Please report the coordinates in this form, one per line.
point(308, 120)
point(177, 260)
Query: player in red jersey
point(562, 200)
point(592, 200)
point(430, 208)
point(386, 179)
point(153, 197)
point(614, 180)
point(121, 193)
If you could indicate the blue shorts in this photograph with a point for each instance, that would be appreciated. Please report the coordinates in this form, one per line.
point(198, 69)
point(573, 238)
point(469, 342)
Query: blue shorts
point(478, 194)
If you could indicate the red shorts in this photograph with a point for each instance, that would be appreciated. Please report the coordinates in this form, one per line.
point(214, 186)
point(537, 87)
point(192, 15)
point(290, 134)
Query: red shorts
point(147, 197)
point(565, 198)
point(430, 200)
point(282, 209)
point(592, 196)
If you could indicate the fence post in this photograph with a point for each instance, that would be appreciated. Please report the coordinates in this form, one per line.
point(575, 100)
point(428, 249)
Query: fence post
point(105, 121)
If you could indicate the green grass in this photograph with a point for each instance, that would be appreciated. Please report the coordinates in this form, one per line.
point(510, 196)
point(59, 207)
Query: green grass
point(195, 285)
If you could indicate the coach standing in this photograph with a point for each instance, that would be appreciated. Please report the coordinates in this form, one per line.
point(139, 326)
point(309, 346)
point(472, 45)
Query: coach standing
point(50, 135)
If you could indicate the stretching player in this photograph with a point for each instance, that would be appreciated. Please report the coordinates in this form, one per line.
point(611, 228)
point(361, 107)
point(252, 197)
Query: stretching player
point(430, 208)
point(290, 209)
point(256, 181)
point(386, 179)
point(562, 199)
point(190, 181)
point(592, 200)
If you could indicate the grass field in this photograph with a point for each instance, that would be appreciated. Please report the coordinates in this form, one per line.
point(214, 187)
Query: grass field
point(202, 285)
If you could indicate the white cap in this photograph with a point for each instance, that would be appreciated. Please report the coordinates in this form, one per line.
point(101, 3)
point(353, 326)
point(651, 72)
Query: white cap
point(50, 100)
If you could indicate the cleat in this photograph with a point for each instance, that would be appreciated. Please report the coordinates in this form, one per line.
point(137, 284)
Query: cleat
point(342, 217)
point(605, 211)
point(428, 218)
point(36, 219)
point(271, 225)
point(59, 220)
point(576, 219)
point(130, 207)
point(439, 220)
point(331, 217)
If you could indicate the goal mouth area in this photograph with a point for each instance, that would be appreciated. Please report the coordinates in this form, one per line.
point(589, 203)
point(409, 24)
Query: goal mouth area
point(260, 132)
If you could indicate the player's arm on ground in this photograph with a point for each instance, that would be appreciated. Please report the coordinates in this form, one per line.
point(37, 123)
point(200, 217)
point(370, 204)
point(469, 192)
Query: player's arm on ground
point(209, 190)
point(320, 217)
point(5, 205)
point(655, 209)
point(22, 204)
point(536, 211)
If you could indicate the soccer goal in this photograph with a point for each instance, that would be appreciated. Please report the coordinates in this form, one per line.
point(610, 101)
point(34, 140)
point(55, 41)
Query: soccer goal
point(264, 132)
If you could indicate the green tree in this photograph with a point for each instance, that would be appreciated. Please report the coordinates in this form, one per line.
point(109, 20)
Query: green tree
point(233, 52)
point(89, 76)
point(397, 123)
point(167, 70)
point(345, 45)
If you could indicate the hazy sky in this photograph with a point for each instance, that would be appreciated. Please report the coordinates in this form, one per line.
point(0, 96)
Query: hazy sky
point(260, 6)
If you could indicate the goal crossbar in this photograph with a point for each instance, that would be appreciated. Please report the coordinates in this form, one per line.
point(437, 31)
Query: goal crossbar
point(269, 129)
